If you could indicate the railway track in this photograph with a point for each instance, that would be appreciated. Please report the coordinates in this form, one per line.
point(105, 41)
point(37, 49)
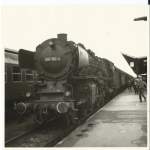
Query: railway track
point(43, 136)
point(46, 136)
point(13, 139)
point(17, 137)
point(67, 132)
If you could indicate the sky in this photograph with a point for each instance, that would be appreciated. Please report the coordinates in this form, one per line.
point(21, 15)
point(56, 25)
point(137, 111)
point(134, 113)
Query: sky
point(106, 29)
point(14, 2)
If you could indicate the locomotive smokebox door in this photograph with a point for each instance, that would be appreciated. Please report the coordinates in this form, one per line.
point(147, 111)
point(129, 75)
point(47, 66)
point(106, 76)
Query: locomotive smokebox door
point(55, 58)
point(26, 59)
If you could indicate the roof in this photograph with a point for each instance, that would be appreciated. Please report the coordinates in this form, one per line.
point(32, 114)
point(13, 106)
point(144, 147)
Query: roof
point(142, 57)
point(139, 63)
point(11, 50)
point(144, 18)
point(11, 56)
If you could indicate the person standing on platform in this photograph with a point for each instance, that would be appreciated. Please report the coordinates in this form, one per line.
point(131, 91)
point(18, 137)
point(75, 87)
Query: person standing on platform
point(129, 85)
point(141, 85)
point(135, 86)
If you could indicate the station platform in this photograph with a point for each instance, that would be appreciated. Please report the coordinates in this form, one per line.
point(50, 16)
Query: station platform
point(120, 123)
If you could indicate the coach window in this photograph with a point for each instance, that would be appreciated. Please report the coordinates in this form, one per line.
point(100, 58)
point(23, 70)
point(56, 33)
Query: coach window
point(16, 74)
point(29, 75)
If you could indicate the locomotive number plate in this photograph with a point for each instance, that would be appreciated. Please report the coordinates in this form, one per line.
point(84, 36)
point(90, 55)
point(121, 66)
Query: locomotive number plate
point(52, 59)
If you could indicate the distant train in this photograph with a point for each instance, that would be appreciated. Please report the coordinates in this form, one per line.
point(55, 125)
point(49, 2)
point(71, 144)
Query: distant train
point(73, 81)
point(18, 82)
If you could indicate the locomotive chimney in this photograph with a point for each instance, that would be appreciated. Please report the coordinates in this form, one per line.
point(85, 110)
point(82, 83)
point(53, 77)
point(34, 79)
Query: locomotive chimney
point(62, 36)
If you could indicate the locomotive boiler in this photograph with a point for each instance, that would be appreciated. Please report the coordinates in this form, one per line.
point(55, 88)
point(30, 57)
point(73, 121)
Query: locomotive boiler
point(73, 82)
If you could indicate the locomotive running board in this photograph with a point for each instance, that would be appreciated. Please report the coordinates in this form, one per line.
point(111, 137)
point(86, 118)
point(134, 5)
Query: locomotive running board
point(41, 101)
point(84, 77)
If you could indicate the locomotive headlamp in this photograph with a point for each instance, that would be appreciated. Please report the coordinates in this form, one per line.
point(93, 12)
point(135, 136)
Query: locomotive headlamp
point(67, 93)
point(51, 43)
point(28, 94)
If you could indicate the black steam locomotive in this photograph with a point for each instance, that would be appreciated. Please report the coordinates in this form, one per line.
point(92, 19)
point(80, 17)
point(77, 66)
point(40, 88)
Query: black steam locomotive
point(73, 82)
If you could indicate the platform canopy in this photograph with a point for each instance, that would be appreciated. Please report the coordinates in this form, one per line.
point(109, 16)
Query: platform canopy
point(138, 64)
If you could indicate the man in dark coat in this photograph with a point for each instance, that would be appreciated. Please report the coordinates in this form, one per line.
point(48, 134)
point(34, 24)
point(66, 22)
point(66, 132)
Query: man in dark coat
point(141, 88)
point(135, 86)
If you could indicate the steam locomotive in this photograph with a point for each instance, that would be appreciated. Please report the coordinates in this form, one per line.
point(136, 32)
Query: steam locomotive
point(73, 82)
